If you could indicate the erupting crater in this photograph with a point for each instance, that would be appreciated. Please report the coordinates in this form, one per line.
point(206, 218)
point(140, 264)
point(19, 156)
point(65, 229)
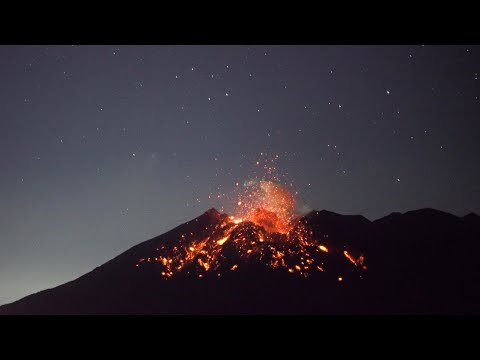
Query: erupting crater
point(266, 231)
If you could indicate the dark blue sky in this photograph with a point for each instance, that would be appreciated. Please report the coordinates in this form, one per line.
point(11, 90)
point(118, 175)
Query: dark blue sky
point(103, 147)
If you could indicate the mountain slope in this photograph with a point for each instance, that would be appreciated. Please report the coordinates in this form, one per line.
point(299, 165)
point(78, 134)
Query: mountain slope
point(423, 261)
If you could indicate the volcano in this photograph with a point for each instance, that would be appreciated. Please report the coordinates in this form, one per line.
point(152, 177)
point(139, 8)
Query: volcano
point(423, 261)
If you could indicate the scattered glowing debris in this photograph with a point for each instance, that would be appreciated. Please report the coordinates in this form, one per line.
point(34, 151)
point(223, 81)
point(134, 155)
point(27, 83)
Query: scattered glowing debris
point(265, 227)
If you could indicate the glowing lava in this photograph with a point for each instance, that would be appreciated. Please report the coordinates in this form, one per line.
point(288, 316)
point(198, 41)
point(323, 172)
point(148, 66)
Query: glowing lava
point(266, 229)
point(279, 240)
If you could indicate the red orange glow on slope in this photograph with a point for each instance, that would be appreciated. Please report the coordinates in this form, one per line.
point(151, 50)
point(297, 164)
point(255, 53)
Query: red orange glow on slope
point(266, 228)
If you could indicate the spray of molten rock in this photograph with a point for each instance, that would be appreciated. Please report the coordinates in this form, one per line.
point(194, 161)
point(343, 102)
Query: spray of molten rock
point(265, 230)
point(268, 204)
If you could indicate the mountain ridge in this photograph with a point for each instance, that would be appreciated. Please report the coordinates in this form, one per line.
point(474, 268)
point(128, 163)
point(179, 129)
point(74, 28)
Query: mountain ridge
point(431, 236)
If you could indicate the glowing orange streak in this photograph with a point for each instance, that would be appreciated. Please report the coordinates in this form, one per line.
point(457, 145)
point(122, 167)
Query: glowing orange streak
point(222, 240)
point(350, 257)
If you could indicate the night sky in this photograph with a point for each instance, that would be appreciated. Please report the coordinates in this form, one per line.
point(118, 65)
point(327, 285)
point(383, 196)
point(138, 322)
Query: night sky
point(103, 147)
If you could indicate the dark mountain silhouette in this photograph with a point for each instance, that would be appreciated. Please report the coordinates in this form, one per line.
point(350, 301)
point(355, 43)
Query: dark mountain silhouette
point(423, 261)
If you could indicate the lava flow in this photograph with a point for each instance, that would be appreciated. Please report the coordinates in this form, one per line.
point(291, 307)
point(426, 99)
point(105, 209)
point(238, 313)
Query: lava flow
point(266, 230)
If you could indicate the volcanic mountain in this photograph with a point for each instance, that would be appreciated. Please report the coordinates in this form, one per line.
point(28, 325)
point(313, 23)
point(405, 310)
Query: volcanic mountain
point(422, 261)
